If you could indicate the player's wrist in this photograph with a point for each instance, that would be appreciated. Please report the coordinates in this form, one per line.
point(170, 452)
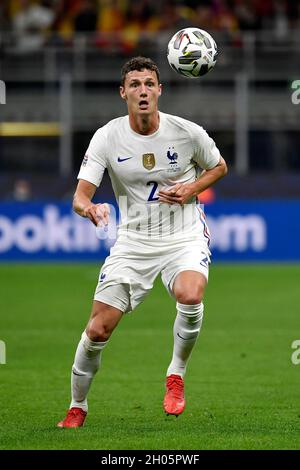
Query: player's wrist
point(195, 190)
point(85, 210)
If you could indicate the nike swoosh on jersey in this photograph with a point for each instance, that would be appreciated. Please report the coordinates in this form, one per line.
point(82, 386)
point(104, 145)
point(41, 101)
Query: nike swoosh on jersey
point(123, 159)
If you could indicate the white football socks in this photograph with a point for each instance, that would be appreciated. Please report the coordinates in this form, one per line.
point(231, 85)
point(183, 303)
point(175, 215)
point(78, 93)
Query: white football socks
point(86, 364)
point(186, 330)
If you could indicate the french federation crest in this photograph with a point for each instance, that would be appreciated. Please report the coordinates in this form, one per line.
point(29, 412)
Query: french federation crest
point(148, 161)
point(173, 157)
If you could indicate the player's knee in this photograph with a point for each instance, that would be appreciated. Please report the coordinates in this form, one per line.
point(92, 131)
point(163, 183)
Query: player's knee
point(98, 331)
point(189, 299)
point(190, 296)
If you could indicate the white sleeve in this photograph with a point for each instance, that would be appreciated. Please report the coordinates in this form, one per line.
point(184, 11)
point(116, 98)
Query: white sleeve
point(94, 162)
point(206, 153)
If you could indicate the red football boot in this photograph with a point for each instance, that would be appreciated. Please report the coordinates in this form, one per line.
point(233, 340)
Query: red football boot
point(74, 419)
point(174, 402)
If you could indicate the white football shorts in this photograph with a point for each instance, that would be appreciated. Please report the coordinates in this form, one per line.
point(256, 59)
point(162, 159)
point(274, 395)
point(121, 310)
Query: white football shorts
point(131, 268)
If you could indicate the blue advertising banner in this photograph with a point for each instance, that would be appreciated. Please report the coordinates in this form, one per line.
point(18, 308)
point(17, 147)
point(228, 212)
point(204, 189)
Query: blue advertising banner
point(255, 230)
point(241, 231)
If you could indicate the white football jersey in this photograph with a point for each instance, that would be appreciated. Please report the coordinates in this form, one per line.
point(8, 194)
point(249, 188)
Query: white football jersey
point(140, 165)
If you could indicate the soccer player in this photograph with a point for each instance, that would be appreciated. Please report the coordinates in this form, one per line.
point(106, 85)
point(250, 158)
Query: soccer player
point(158, 164)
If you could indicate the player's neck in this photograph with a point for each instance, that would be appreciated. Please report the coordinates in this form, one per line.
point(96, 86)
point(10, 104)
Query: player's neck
point(144, 125)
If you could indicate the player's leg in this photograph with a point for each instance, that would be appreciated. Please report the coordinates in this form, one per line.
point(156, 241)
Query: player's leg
point(188, 289)
point(103, 320)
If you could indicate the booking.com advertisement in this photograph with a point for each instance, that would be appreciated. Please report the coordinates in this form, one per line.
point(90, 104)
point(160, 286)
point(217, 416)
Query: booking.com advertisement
point(240, 231)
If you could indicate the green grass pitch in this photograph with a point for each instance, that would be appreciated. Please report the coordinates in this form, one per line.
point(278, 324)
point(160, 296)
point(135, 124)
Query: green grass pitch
point(242, 388)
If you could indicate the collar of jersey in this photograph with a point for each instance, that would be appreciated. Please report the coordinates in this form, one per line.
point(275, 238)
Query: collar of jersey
point(151, 136)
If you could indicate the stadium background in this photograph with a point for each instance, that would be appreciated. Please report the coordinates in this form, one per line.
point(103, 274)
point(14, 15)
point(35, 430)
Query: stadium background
point(59, 65)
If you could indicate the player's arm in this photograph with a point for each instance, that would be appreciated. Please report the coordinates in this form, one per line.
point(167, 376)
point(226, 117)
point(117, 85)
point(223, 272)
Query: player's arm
point(181, 193)
point(83, 205)
point(209, 177)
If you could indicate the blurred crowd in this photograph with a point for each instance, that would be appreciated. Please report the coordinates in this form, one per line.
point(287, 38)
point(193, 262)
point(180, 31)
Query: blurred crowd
point(107, 22)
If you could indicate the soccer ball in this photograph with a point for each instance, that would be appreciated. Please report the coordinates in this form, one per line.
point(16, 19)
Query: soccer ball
point(192, 52)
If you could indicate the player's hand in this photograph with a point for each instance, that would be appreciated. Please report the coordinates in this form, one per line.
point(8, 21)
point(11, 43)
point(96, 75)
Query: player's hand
point(180, 193)
point(98, 214)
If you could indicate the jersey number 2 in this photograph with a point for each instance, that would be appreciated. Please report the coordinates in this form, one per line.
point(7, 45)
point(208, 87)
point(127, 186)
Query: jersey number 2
point(151, 195)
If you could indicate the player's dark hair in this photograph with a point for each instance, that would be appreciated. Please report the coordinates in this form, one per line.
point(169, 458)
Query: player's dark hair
point(138, 63)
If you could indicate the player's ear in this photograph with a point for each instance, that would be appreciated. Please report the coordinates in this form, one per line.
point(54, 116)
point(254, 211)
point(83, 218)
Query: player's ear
point(160, 89)
point(122, 93)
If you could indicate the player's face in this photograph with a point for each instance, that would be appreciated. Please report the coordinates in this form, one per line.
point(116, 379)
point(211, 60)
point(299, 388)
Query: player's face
point(141, 91)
